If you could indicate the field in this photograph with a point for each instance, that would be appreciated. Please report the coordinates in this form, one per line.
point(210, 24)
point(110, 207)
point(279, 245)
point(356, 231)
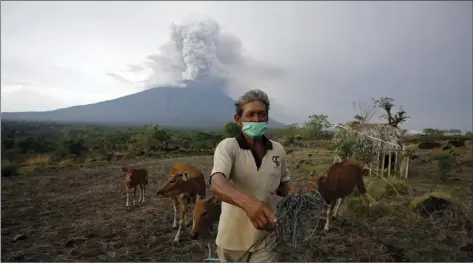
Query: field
point(79, 214)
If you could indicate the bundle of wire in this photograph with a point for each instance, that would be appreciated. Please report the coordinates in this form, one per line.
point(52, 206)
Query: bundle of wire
point(290, 228)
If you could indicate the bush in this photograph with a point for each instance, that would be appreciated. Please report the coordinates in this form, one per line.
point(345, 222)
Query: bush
point(377, 210)
point(401, 187)
point(430, 203)
point(429, 145)
point(9, 169)
point(444, 163)
point(457, 143)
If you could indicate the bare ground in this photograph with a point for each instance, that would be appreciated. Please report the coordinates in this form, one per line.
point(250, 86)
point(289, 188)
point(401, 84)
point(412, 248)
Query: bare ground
point(80, 215)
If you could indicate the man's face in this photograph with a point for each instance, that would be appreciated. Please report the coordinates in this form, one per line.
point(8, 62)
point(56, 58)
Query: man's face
point(252, 112)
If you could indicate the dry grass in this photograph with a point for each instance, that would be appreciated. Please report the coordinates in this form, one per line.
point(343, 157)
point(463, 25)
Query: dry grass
point(78, 214)
point(38, 160)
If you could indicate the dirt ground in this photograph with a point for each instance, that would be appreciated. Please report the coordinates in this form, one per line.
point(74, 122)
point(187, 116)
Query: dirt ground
point(80, 215)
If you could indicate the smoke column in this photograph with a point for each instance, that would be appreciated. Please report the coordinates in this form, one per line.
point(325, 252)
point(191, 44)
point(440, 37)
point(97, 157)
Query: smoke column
point(198, 49)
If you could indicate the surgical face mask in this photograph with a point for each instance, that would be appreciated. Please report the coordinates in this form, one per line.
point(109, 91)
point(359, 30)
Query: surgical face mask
point(254, 129)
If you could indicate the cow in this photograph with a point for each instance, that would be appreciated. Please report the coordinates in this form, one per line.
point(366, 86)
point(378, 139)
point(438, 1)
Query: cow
point(186, 185)
point(206, 213)
point(337, 183)
point(135, 177)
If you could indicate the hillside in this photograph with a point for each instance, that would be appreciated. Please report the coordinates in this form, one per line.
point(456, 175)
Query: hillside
point(199, 105)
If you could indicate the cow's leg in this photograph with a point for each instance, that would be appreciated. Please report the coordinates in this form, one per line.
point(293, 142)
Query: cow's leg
point(141, 193)
point(329, 215)
point(127, 196)
point(134, 195)
point(182, 216)
point(174, 205)
point(337, 207)
point(144, 188)
point(139, 197)
point(192, 220)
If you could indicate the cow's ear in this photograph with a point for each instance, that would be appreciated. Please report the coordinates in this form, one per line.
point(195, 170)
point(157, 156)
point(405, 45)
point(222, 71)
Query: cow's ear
point(185, 176)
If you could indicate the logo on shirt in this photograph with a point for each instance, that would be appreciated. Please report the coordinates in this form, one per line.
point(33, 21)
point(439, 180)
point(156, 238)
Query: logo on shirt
point(276, 160)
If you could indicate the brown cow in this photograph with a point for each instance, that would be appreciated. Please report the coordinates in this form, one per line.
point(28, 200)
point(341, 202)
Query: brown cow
point(186, 185)
point(206, 213)
point(133, 178)
point(337, 183)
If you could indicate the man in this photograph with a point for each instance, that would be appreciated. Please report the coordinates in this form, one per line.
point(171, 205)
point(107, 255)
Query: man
point(249, 170)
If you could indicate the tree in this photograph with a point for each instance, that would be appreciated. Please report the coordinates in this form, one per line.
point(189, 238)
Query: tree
point(386, 103)
point(432, 132)
point(231, 129)
point(454, 131)
point(364, 112)
point(317, 125)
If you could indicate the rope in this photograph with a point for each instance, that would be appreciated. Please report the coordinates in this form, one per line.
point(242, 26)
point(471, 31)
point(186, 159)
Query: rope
point(209, 258)
point(290, 229)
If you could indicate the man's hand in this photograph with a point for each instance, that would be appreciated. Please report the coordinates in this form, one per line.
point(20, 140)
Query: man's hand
point(260, 215)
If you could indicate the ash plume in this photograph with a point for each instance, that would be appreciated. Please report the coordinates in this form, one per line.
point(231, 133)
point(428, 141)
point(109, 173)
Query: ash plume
point(199, 50)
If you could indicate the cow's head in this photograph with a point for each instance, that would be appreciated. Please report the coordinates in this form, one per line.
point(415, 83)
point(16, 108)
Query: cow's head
point(176, 184)
point(317, 182)
point(206, 213)
point(129, 171)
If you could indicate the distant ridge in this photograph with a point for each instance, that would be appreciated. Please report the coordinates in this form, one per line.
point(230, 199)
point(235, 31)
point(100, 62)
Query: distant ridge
point(202, 104)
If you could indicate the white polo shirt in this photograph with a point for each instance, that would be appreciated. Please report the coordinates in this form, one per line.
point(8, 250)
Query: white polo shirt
point(259, 178)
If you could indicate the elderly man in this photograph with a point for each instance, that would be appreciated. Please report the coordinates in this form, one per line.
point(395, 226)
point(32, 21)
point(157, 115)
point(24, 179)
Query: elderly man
point(249, 170)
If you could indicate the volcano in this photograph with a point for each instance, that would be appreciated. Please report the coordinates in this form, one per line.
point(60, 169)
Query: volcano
point(197, 105)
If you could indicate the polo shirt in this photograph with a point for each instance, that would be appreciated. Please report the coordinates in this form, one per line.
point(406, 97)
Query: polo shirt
point(234, 158)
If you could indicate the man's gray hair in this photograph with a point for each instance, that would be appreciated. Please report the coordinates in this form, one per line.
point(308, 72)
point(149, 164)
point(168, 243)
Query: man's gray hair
point(251, 96)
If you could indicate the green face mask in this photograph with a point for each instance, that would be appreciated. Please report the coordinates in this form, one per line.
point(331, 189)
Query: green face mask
point(254, 129)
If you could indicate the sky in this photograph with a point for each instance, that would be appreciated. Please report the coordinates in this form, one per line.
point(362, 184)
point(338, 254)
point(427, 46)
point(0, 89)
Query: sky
point(310, 57)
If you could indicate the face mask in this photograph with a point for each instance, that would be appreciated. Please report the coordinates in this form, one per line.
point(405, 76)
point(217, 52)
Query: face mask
point(254, 129)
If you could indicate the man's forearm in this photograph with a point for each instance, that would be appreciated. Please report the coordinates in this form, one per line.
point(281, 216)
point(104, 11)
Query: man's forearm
point(225, 191)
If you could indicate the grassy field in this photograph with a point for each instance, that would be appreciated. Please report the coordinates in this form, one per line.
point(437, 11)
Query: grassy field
point(79, 214)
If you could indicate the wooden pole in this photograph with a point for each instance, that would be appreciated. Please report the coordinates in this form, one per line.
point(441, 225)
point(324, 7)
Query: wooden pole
point(407, 167)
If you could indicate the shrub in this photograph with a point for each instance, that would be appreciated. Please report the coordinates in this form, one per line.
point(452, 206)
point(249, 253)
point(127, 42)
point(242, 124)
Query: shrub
point(430, 203)
point(9, 169)
point(378, 209)
point(457, 143)
point(396, 185)
point(444, 163)
point(429, 145)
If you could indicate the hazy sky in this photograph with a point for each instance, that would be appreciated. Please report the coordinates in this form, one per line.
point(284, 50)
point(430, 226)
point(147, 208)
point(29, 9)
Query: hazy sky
point(59, 54)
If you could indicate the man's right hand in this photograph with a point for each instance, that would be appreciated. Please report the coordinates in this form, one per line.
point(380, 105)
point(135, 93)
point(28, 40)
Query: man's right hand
point(260, 215)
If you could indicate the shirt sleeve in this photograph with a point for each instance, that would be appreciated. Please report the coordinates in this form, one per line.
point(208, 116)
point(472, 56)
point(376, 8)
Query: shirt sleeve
point(285, 174)
point(223, 158)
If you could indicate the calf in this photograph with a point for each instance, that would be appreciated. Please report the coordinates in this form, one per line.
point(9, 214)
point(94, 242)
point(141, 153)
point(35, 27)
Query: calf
point(133, 178)
point(206, 213)
point(186, 185)
point(337, 183)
